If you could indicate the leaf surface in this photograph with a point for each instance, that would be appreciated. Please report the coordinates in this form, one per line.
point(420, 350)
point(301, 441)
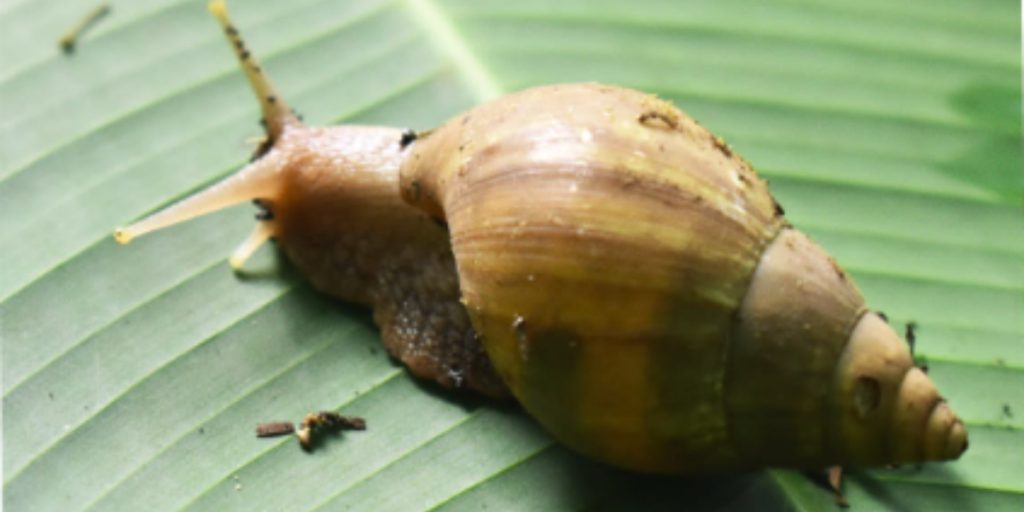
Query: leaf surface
point(133, 376)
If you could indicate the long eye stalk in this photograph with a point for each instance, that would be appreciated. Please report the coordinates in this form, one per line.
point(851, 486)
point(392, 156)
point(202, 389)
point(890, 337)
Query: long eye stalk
point(276, 111)
point(258, 180)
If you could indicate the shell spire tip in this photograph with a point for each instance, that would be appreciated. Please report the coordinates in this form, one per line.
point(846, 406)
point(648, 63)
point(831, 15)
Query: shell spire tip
point(123, 235)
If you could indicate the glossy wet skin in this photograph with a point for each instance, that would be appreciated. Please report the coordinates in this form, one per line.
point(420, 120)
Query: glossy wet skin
point(339, 218)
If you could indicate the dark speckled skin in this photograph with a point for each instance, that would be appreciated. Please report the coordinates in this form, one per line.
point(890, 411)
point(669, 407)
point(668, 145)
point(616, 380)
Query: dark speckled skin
point(341, 221)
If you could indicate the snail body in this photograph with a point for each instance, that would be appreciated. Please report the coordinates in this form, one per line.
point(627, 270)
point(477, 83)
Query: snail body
point(597, 254)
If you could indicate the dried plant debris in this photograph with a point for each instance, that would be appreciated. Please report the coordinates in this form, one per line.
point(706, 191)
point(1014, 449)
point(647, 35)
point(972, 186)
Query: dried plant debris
point(70, 38)
point(315, 425)
point(911, 335)
point(274, 429)
point(312, 428)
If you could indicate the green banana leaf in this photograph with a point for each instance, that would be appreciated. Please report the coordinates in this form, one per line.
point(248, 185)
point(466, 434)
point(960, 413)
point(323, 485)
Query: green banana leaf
point(133, 376)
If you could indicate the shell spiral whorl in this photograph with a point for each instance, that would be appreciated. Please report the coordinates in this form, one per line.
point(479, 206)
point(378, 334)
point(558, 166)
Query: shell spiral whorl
point(638, 289)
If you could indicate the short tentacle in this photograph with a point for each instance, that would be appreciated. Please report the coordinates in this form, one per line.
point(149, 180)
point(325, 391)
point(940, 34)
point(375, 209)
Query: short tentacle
point(260, 234)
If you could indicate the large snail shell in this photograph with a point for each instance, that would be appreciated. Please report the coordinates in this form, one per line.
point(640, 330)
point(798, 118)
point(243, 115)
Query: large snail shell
point(639, 291)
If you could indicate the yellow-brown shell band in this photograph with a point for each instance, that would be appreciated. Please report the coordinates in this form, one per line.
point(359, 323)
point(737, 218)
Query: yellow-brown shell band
point(636, 227)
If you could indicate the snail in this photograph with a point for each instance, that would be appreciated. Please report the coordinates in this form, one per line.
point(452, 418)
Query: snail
point(597, 254)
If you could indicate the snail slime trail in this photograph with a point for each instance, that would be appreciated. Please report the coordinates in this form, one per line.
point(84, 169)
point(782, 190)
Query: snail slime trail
point(487, 249)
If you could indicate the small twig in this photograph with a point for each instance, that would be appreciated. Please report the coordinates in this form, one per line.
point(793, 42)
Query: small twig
point(911, 335)
point(70, 38)
point(273, 429)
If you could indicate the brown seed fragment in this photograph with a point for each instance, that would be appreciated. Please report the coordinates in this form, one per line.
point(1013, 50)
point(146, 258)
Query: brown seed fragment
point(273, 429)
